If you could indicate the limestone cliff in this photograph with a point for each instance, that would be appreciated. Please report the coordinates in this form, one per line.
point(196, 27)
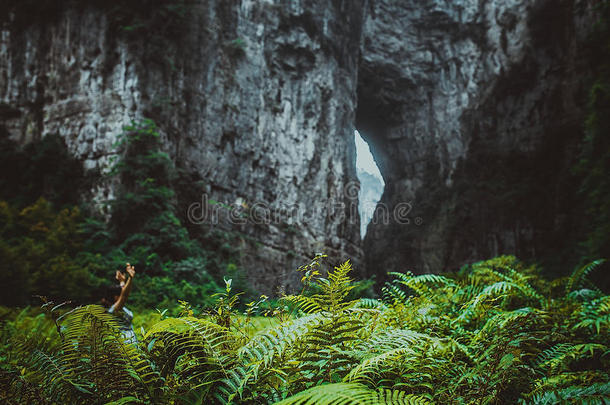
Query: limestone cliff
point(256, 99)
point(259, 101)
point(474, 109)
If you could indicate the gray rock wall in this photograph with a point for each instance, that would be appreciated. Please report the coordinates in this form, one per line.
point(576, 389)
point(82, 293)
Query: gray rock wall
point(460, 101)
point(255, 98)
point(474, 109)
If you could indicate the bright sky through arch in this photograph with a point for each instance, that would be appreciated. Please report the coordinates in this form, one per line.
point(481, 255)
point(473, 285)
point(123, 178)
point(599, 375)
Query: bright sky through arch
point(364, 158)
point(371, 182)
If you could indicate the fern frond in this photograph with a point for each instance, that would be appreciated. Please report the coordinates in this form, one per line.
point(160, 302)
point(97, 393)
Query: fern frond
point(95, 350)
point(423, 284)
point(371, 368)
point(307, 304)
point(334, 290)
point(265, 345)
point(584, 294)
point(594, 394)
point(412, 281)
point(391, 293)
point(195, 352)
point(503, 320)
point(514, 278)
point(351, 394)
point(494, 292)
point(393, 338)
point(371, 303)
point(565, 380)
point(594, 315)
point(558, 356)
point(580, 275)
point(56, 378)
point(259, 355)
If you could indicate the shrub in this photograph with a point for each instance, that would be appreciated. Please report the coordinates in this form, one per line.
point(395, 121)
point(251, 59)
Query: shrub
point(495, 332)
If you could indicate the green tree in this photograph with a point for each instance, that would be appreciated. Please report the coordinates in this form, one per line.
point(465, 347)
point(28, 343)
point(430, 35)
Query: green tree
point(594, 165)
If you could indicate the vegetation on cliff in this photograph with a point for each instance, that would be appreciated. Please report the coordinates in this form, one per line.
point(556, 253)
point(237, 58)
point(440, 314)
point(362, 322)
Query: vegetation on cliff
point(54, 244)
point(593, 168)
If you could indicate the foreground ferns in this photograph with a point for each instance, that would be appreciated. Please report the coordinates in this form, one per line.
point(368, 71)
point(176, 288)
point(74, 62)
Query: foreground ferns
point(493, 333)
point(92, 363)
point(344, 394)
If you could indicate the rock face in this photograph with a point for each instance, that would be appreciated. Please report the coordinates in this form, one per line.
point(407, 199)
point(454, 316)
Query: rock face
point(256, 99)
point(474, 110)
point(259, 100)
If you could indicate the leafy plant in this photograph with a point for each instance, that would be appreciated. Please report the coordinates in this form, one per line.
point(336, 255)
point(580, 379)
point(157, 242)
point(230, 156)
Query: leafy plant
point(522, 340)
point(593, 167)
point(50, 246)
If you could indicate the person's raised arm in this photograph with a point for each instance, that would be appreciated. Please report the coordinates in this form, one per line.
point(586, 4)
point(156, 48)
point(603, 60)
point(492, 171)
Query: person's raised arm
point(126, 289)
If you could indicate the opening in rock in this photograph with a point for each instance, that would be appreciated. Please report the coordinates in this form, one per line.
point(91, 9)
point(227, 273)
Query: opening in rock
point(371, 182)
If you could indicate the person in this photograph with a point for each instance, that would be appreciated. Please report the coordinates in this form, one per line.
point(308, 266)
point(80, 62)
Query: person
point(118, 308)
